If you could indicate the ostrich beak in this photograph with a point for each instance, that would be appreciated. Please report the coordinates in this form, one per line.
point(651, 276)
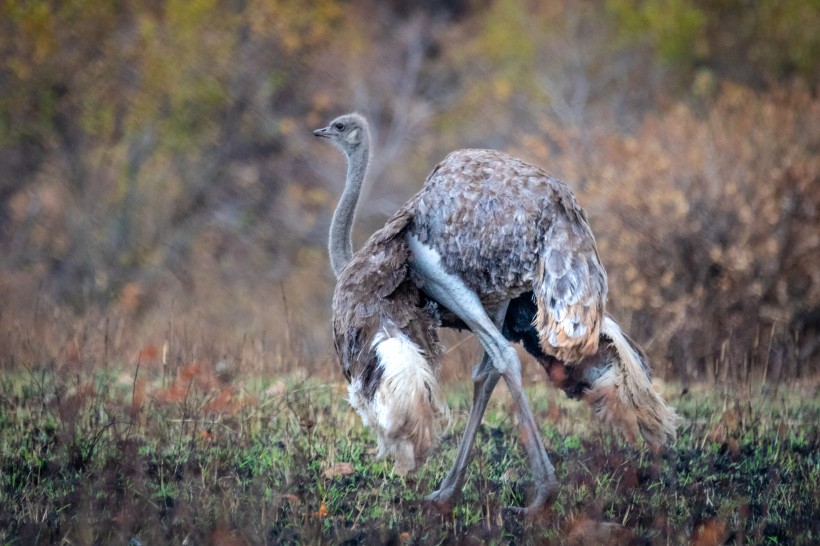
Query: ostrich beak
point(324, 132)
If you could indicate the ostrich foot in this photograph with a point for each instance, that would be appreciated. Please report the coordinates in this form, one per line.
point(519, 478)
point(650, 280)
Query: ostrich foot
point(544, 496)
point(442, 500)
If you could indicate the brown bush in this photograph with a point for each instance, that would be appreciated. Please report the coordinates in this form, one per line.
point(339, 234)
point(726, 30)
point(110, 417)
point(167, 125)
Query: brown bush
point(707, 220)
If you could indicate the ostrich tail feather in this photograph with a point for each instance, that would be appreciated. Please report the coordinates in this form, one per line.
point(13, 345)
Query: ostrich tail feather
point(624, 396)
point(407, 410)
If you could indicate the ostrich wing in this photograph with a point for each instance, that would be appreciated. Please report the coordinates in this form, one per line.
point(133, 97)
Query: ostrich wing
point(506, 227)
point(375, 286)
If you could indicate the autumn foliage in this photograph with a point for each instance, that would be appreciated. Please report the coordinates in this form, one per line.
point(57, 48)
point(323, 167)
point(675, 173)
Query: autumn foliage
point(158, 176)
point(707, 222)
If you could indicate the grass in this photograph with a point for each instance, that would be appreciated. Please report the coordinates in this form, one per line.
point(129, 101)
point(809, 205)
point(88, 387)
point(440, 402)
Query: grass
point(102, 456)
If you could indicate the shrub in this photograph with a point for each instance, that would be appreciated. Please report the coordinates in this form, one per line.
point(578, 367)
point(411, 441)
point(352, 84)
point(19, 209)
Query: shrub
point(707, 220)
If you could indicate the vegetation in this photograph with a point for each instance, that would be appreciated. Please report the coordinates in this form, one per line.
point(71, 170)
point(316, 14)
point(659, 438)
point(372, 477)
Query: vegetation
point(130, 456)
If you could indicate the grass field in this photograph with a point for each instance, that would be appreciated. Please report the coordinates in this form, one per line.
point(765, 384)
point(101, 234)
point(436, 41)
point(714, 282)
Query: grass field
point(138, 457)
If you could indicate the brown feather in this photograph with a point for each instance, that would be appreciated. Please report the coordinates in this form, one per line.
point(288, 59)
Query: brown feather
point(375, 296)
point(505, 227)
point(375, 285)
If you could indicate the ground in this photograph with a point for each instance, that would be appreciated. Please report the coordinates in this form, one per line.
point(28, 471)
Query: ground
point(142, 457)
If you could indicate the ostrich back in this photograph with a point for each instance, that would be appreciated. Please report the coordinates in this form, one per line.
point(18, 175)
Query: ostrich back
point(506, 227)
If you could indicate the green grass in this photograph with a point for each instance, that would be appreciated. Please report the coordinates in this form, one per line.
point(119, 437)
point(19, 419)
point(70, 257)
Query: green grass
point(103, 458)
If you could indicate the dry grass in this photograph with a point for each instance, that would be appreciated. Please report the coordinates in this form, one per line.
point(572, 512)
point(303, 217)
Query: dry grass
point(127, 450)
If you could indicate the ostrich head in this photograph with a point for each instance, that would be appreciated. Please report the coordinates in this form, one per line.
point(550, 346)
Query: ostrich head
point(348, 132)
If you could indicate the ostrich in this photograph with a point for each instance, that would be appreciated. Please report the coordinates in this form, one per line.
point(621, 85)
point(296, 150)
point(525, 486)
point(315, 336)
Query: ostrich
point(495, 245)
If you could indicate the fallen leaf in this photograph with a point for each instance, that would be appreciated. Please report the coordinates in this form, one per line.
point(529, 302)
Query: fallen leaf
point(587, 531)
point(293, 499)
point(224, 536)
point(322, 512)
point(276, 389)
point(339, 469)
point(149, 352)
point(710, 533)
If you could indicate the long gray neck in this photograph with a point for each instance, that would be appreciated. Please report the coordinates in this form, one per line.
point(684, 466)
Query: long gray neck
point(341, 244)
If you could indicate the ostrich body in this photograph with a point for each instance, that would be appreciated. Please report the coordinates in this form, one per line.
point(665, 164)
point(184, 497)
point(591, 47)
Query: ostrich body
point(498, 246)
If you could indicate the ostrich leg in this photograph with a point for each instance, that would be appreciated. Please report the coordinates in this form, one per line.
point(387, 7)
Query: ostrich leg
point(485, 378)
point(451, 292)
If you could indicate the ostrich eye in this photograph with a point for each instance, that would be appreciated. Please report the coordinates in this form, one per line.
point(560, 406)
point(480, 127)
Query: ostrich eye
point(339, 126)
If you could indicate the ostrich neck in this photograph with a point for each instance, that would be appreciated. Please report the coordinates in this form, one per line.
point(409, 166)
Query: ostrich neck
point(341, 244)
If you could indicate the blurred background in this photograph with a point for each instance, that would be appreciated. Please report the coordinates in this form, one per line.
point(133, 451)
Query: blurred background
point(161, 192)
